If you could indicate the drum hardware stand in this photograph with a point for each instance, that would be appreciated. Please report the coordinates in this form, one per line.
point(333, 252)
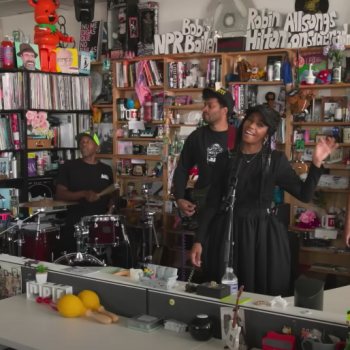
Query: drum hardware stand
point(147, 220)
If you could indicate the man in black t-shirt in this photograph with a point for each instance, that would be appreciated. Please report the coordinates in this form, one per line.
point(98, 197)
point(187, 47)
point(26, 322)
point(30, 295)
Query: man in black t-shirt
point(81, 180)
point(203, 145)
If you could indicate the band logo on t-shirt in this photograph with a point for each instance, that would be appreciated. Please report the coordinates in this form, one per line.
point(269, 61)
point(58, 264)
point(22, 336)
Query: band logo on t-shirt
point(212, 152)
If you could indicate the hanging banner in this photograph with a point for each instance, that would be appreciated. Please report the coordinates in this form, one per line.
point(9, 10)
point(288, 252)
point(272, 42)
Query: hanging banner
point(266, 32)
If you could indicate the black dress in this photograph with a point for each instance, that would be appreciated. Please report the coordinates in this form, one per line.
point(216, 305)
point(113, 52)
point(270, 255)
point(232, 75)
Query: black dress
point(261, 254)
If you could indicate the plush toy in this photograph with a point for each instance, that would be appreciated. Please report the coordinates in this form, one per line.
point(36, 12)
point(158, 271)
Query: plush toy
point(46, 35)
point(254, 75)
point(243, 69)
point(324, 77)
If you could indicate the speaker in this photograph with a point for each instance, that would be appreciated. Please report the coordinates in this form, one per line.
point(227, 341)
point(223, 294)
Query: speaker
point(308, 293)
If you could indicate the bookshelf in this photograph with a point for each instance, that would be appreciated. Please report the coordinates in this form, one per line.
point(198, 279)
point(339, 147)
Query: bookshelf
point(28, 98)
point(171, 235)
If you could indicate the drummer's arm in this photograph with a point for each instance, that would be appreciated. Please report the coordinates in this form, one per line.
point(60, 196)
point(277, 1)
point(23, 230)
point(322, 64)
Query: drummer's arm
point(63, 194)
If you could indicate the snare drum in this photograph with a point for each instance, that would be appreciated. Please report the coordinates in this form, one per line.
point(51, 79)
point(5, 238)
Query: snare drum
point(25, 239)
point(105, 230)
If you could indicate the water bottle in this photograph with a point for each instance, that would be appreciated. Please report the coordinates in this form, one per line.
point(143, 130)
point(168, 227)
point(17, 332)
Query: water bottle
point(231, 280)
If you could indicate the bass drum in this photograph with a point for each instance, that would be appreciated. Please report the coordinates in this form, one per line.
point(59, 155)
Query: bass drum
point(81, 259)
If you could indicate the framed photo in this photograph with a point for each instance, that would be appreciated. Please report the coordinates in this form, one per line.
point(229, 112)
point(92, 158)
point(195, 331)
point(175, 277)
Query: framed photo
point(316, 110)
point(27, 56)
point(67, 60)
point(320, 136)
point(308, 154)
point(335, 156)
point(330, 105)
point(133, 27)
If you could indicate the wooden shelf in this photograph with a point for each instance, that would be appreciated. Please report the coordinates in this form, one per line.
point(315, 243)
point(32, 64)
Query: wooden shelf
point(132, 156)
point(330, 272)
point(140, 178)
point(104, 156)
point(103, 106)
point(324, 86)
point(133, 88)
point(331, 190)
point(152, 122)
point(188, 90)
point(259, 52)
point(296, 228)
point(186, 107)
point(139, 139)
point(311, 144)
point(262, 82)
point(181, 125)
point(322, 251)
point(320, 124)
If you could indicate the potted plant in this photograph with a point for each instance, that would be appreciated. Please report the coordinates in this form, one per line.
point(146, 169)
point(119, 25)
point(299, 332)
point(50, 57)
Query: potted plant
point(41, 274)
point(335, 53)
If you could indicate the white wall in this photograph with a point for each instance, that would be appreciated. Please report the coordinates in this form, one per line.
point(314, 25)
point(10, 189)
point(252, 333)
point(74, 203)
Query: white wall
point(171, 14)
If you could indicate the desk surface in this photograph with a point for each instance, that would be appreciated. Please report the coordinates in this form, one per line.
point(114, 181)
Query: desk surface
point(334, 306)
point(26, 325)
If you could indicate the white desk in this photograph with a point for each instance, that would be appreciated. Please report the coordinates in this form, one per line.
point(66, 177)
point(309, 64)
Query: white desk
point(26, 325)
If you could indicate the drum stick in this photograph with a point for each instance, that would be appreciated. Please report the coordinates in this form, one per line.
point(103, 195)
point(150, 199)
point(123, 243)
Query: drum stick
point(110, 189)
point(114, 317)
point(98, 317)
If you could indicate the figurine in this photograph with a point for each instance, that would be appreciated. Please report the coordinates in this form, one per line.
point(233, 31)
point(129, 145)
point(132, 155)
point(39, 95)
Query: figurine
point(254, 75)
point(243, 69)
point(147, 28)
point(310, 78)
point(46, 35)
point(270, 98)
point(324, 77)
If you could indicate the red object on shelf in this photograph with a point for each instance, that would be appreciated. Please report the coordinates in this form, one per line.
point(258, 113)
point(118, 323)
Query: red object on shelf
point(275, 341)
point(7, 53)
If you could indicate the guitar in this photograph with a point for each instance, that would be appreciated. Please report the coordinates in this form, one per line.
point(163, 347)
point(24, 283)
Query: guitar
point(312, 6)
point(232, 340)
point(198, 198)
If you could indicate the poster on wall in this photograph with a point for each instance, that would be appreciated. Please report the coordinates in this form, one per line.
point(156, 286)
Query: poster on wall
point(10, 280)
point(67, 61)
point(27, 56)
point(90, 38)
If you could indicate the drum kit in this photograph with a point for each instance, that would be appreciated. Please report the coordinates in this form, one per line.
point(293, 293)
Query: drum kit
point(94, 235)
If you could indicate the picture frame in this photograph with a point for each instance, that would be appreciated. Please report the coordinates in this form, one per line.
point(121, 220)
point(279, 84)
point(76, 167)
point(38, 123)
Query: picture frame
point(316, 110)
point(4, 168)
point(133, 27)
point(320, 136)
point(330, 105)
point(335, 156)
point(308, 154)
point(27, 56)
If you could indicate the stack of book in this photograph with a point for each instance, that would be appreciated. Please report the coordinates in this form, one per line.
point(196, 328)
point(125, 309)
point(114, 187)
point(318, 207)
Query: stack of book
point(59, 92)
point(126, 73)
point(12, 129)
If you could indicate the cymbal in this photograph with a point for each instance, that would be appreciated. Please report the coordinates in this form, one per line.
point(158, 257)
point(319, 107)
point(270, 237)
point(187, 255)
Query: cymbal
point(44, 203)
point(141, 198)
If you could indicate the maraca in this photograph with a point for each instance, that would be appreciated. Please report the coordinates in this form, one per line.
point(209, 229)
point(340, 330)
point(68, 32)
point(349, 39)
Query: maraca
point(91, 301)
point(71, 306)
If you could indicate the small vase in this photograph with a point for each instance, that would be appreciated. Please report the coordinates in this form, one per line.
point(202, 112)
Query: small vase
point(41, 278)
point(336, 72)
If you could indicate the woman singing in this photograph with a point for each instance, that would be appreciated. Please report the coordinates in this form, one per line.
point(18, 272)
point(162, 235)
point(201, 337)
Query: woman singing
point(261, 255)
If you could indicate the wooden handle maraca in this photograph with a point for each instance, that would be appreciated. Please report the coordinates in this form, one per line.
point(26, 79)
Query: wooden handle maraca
point(98, 317)
point(102, 310)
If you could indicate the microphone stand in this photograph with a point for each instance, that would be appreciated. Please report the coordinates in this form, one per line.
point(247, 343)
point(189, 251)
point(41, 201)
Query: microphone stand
point(228, 206)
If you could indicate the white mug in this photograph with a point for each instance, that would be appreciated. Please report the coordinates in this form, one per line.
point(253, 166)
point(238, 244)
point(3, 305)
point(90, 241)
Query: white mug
point(328, 221)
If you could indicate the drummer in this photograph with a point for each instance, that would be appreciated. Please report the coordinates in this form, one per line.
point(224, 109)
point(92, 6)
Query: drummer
point(81, 180)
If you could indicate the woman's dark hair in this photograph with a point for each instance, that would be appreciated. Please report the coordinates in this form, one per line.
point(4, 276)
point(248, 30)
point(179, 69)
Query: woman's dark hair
point(272, 120)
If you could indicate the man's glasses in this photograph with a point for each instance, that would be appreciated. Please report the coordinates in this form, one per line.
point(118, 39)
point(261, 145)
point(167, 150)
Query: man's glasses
point(64, 59)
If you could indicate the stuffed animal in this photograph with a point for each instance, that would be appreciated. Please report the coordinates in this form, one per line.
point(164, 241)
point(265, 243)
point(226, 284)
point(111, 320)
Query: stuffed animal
point(243, 69)
point(324, 77)
point(300, 101)
point(46, 35)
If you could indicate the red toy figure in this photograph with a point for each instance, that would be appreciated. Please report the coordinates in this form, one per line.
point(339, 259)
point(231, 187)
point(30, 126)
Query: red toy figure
point(46, 35)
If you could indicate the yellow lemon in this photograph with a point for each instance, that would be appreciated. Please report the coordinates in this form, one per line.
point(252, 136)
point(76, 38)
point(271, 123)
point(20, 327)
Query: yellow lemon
point(89, 299)
point(70, 306)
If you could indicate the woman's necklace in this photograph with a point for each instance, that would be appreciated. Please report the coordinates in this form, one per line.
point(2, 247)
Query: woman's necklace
point(248, 161)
